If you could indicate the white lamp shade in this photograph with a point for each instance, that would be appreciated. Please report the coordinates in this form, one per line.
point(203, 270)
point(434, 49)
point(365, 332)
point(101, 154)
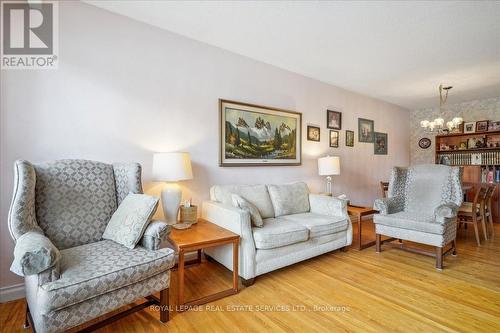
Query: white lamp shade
point(329, 166)
point(172, 167)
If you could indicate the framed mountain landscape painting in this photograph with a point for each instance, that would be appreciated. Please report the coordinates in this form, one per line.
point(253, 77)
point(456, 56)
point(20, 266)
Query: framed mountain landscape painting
point(253, 135)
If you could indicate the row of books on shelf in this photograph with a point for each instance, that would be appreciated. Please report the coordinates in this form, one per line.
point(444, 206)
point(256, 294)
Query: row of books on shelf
point(490, 174)
point(483, 158)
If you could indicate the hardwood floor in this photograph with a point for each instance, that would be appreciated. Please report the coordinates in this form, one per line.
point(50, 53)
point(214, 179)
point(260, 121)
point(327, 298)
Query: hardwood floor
point(354, 291)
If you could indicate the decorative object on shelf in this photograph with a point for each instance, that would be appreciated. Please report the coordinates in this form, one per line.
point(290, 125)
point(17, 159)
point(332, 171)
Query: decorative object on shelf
point(171, 168)
point(254, 135)
point(380, 143)
point(494, 126)
point(482, 126)
point(329, 166)
point(443, 146)
point(365, 130)
point(463, 145)
point(334, 139)
point(424, 143)
point(470, 127)
point(333, 119)
point(313, 133)
point(438, 124)
point(349, 138)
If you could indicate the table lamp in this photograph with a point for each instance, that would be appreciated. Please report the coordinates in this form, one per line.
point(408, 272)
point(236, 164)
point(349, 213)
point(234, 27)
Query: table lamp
point(171, 168)
point(329, 166)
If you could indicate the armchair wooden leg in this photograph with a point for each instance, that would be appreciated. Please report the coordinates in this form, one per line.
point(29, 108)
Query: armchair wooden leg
point(454, 245)
point(26, 319)
point(378, 247)
point(247, 283)
point(439, 258)
point(164, 306)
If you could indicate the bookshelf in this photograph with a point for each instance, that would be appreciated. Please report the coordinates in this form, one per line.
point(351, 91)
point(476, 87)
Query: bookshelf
point(478, 153)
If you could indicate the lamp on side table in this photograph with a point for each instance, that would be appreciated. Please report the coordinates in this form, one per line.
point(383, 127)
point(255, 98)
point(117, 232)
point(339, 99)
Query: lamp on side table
point(329, 166)
point(171, 168)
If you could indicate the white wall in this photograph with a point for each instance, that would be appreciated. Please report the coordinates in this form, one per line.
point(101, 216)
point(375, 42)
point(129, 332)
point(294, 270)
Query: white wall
point(124, 90)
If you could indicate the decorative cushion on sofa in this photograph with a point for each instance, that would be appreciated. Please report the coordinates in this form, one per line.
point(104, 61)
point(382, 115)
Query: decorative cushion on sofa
point(289, 198)
point(319, 225)
point(131, 219)
point(240, 202)
point(411, 221)
point(279, 232)
point(255, 194)
point(97, 268)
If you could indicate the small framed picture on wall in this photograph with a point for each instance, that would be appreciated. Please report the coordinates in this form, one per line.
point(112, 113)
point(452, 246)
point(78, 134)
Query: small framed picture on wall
point(380, 143)
point(334, 139)
point(349, 138)
point(333, 119)
point(313, 133)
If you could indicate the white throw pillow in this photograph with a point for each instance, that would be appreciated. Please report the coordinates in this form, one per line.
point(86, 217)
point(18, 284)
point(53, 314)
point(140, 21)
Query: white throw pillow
point(129, 221)
point(240, 202)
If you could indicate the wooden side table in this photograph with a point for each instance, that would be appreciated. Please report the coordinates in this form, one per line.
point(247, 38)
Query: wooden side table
point(359, 212)
point(200, 236)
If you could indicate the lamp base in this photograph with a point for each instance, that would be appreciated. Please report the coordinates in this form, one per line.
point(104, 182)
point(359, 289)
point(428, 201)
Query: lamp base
point(171, 196)
point(329, 188)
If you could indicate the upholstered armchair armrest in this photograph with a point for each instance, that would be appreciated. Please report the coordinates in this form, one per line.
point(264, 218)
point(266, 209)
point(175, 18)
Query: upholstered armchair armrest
point(446, 212)
point(387, 206)
point(34, 253)
point(327, 205)
point(156, 232)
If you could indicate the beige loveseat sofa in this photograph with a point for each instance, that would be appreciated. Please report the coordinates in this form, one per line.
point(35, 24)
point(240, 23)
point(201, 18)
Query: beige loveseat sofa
point(297, 226)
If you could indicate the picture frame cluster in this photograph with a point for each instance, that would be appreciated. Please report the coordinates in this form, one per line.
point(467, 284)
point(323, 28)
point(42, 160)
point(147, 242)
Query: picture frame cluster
point(366, 133)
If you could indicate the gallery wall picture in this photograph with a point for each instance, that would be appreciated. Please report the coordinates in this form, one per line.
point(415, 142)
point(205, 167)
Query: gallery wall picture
point(365, 130)
point(349, 138)
point(380, 143)
point(313, 133)
point(334, 119)
point(252, 135)
point(334, 139)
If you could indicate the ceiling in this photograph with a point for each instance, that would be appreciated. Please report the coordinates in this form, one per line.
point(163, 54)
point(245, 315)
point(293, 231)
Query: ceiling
point(395, 51)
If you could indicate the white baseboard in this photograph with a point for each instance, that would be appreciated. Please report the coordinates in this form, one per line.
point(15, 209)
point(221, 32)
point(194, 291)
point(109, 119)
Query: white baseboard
point(11, 293)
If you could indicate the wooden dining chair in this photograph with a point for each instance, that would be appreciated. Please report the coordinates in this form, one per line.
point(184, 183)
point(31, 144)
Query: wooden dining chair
point(487, 213)
point(472, 212)
point(384, 186)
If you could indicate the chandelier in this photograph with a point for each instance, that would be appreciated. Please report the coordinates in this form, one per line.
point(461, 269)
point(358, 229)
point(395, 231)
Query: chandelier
point(437, 125)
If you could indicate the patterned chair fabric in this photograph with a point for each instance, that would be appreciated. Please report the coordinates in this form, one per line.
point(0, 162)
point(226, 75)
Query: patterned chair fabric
point(422, 200)
point(70, 202)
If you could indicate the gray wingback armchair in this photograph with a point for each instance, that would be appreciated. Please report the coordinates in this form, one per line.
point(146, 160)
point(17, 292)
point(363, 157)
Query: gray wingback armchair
point(421, 207)
point(57, 217)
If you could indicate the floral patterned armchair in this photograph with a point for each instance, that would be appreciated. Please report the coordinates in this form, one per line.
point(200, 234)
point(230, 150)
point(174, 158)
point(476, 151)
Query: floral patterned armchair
point(58, 214)
point(421, 207)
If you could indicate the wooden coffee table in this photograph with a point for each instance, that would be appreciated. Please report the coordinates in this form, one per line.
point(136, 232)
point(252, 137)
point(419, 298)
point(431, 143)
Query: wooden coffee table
point(359, 212)
point(200, 236)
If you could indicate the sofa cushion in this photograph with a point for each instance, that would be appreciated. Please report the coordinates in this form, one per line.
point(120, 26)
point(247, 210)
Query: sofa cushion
point(289, 198)
point(318, 225)
point(255, 194)
point(131, 219)
point(97, 268)
point(278, 232)
point(411, 221)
